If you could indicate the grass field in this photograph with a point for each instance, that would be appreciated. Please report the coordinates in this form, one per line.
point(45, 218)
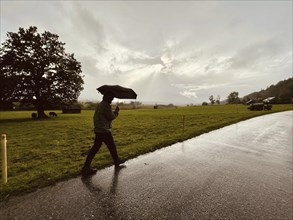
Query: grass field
point(43, 152)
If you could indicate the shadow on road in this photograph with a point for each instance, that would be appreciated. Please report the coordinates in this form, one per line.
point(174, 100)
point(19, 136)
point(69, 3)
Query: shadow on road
point(95, 189)
point(114, 182)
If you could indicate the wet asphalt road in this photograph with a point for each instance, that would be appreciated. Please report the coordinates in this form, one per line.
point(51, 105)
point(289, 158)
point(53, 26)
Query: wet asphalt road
point(243, 171)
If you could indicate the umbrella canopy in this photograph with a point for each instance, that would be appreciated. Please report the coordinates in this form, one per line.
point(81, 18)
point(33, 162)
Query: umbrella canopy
point(119, 92)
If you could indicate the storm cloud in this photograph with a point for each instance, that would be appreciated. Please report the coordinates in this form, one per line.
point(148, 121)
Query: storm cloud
point(177, 52)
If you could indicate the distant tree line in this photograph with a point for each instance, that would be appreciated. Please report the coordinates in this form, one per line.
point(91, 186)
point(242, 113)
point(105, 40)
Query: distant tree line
point(233, 98)
point(282, 91)
point(213, 100)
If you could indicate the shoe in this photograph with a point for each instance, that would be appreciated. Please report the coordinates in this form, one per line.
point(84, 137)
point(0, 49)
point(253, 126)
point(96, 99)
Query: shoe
point(88, 171)
point(121, 161)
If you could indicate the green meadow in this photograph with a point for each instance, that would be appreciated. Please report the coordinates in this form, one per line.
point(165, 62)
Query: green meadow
point(43, 152)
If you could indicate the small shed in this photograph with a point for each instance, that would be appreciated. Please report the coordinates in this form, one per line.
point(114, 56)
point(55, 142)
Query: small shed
point(71, 109)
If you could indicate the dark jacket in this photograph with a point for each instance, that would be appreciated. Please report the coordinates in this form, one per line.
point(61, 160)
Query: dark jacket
point(103, 117)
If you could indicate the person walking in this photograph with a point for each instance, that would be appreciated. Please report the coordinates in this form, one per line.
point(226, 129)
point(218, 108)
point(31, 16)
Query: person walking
point(103, 118)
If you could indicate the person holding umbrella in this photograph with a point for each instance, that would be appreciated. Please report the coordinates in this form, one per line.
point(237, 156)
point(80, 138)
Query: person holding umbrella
point(103, 118)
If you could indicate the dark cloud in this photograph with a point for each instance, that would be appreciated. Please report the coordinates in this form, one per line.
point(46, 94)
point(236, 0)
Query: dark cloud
point(87, 27)
point(206, 47)
point(257, 54)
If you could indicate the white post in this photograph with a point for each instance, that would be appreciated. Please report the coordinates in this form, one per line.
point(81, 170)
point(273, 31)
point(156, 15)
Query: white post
point(4, 158)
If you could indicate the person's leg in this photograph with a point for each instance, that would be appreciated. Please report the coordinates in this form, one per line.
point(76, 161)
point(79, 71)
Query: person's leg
point(95, 148)
point(109, 141)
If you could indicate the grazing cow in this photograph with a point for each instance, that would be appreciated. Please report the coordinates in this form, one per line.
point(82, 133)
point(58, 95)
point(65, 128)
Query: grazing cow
point(34, 115)
point(52, 114)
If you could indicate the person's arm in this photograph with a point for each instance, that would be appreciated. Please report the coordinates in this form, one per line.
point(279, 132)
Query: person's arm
point(111, 115)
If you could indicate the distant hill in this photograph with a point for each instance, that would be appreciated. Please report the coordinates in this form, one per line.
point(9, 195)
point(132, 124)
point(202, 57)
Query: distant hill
point(282, 91)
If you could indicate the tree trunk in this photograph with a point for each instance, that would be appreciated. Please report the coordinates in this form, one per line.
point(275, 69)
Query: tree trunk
point(41, 113)
point(41, 110)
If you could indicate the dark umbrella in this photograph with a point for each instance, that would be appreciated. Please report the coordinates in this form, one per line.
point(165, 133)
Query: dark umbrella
point(118, 91)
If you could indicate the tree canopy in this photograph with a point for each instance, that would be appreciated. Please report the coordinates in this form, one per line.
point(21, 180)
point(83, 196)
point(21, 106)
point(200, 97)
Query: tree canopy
point(36, 69)
point(233, 98)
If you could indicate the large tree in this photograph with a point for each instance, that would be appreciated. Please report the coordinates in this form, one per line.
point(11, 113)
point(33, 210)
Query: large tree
point(36, 69)
point(233, 98)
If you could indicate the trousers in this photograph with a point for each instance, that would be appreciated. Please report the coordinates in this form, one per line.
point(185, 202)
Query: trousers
point(108, 139)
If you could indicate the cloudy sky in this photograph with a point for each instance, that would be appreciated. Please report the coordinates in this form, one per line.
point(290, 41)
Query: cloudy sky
point(178, 52)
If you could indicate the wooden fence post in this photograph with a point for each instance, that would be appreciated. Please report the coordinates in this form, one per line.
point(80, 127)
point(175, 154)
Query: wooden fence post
point(4, 158)
point(183, 120)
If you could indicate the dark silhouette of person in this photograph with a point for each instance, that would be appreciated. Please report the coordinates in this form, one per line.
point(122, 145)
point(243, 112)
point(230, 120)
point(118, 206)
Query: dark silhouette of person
point(103, 118)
